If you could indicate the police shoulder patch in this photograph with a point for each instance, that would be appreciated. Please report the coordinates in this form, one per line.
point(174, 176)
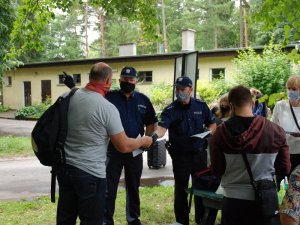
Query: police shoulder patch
point(170, 107)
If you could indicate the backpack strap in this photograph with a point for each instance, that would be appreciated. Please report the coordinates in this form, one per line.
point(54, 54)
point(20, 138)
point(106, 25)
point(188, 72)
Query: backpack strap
point(53, 183)
point(63, 129)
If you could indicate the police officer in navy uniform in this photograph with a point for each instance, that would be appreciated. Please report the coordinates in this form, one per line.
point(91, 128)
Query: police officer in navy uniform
point(136, 112)
point(183, 118)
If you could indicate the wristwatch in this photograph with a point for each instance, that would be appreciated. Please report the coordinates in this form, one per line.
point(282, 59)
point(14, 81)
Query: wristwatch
point(154, 137)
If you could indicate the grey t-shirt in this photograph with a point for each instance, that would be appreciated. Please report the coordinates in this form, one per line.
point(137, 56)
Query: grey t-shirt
point(91, 119)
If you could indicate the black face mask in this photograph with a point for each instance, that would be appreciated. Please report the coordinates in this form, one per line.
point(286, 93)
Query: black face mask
point(127, 87)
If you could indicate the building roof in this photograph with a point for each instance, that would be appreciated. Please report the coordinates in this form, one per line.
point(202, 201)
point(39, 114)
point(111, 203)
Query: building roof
point(151, 57)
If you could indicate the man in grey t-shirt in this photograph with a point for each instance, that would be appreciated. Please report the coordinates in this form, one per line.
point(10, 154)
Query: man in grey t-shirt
point(92, 121)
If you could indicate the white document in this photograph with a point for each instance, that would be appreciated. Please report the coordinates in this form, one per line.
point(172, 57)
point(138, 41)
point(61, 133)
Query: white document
point(137, 151)
point(202, 135)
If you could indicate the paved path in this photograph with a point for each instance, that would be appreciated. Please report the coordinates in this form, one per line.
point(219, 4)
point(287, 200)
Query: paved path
point(16, 127)
point(27, 178)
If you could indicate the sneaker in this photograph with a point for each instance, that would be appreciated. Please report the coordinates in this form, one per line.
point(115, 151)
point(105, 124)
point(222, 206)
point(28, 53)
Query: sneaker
point(176, 223)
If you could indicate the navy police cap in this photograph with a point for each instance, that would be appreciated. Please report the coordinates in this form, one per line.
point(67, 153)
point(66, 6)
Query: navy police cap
point(128, 71)
point(182, 82)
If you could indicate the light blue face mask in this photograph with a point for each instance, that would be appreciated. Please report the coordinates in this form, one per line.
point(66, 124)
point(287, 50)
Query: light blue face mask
point(293, 95)
point(182, 96)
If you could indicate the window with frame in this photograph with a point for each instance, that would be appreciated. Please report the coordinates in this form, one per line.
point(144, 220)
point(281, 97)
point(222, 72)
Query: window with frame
point(217, 73)
point(77, 78)
point(145, 76)
point(60, 79)
point(9, 81)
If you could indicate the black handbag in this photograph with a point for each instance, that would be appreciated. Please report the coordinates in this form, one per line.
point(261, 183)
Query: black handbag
point(266, 196)
point(205, 180)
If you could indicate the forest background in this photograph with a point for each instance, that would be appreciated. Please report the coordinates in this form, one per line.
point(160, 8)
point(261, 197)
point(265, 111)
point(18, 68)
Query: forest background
point(53, 30)
point(56, 30)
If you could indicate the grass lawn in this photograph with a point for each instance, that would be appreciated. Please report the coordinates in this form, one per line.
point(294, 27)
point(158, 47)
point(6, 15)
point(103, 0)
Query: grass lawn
point(15, 147)
point(156, 202)
point(156, 209)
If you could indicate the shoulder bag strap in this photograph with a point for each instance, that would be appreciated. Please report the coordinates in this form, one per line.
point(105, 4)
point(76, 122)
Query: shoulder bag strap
point(249, 171)
point(294, 116)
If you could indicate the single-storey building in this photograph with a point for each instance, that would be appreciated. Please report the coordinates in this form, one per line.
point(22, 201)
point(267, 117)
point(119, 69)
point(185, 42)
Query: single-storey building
point(32, 83)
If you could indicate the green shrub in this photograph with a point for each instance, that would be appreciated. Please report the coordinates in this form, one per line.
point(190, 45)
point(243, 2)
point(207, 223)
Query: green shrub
point(273, 98)
point(267, 72)
point(161, 96)
point(34, 111)
point(25, 112)
point(4, 108)
point(211, 91)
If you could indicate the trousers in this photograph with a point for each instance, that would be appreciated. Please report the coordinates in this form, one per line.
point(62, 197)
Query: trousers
point(133, 167)
point(239, 211)
point(183, 167)
point(80, 195)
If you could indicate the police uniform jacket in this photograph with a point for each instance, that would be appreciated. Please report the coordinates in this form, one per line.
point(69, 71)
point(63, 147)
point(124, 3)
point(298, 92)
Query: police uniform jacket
point(183, 121)
point(135, 112)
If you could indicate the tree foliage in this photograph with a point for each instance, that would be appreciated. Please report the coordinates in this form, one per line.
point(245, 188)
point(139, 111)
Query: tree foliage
point(40, 33)
point(118, 30)
point(273, 12)
point(7, 16)
point(34, 15)
point(267, 72)
point(212, 20)
point(218, 27)
point(60, 40)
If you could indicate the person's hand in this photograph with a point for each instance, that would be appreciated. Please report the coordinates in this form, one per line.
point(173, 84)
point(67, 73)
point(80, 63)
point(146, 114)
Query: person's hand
point(147, 141)
point(295, 134)
point(68, 80)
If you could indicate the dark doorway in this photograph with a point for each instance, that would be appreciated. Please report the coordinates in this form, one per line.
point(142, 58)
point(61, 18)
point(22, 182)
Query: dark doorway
point(27, 93)
point(46, 90)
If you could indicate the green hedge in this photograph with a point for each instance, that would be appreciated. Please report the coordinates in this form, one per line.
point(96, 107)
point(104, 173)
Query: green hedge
point(34, 111)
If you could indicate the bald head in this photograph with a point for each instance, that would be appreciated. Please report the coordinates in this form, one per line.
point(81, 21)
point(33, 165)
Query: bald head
point(100, 71)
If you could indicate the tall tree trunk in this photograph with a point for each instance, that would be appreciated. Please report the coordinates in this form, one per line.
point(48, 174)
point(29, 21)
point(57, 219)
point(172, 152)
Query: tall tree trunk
point(101, 24)
point(158, 34)
point(216, 38)
point(241, 24)
point(86, 31)
point(245, 28)
point(164, 25)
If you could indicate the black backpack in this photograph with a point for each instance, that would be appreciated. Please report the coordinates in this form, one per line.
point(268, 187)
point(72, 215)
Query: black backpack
point(49, 135)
